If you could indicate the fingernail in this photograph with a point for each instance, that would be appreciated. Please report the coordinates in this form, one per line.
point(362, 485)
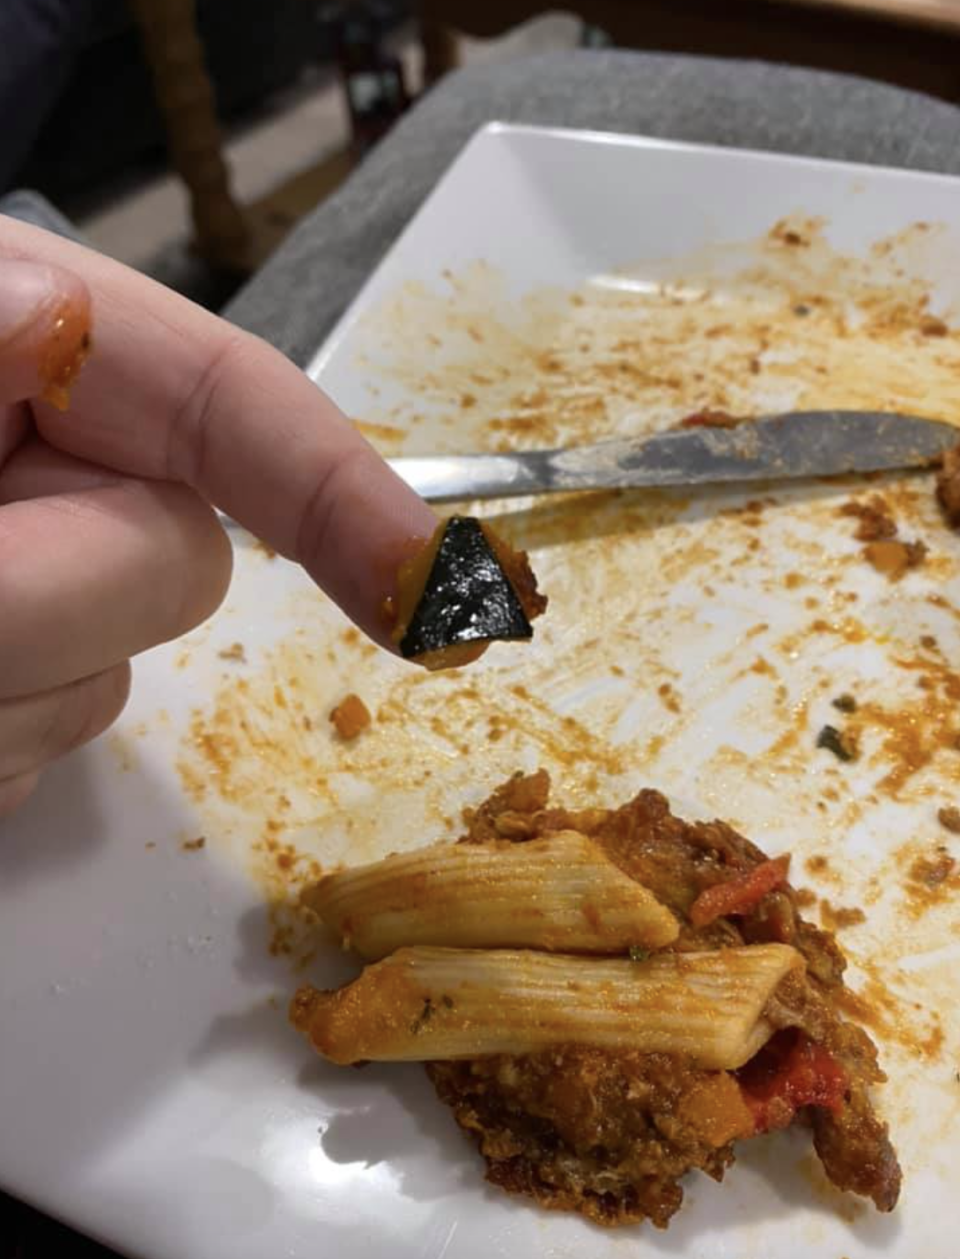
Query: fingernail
point(26, 290)
point(44, 331)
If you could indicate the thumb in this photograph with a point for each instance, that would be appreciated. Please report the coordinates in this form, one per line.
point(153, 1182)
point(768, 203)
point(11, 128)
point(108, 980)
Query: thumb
point(44, 331)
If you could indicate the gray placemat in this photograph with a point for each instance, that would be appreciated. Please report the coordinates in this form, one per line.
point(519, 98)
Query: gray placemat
point(33, 207)
point(298, 296)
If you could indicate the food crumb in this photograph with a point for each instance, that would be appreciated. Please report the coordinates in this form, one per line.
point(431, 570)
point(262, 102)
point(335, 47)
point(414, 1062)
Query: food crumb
point(948, 486)
point(893, 558)
point(264, 548)
point(762, 666)
point(949, 818)
point(194, 845)
point(842, 743)
point(845, 703)
point(836, 917)
point(234, 652)
point(350, 717)
point(876, 520)
point(930, 872)
point(710, 418)
point(150, 844)
point(933, 326)
point(669, 697)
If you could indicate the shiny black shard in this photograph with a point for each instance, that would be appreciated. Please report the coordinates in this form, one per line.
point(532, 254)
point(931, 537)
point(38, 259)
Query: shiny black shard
point(467, 596)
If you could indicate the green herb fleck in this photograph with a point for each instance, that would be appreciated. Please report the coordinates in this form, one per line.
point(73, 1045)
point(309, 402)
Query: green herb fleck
point(845, 703)
point(423, 1017)
point(637, 954)
point(446, 1001)
point(842, 744)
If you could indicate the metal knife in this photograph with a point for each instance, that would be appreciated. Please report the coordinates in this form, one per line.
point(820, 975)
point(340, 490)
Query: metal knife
point(771, 448)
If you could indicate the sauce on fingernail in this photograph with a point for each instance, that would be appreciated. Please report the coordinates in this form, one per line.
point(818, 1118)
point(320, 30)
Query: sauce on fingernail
point(65, 350)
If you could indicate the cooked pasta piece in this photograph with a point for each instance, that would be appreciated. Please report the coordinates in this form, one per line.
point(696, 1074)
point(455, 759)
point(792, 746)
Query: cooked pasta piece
point(435, 1003)
point(560, 893)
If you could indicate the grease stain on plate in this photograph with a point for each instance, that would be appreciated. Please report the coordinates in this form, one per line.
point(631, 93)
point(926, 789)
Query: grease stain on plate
point(693, 643)
point(786, 322)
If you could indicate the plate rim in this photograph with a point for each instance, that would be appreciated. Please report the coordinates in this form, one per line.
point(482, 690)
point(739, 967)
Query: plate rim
point(320, 358)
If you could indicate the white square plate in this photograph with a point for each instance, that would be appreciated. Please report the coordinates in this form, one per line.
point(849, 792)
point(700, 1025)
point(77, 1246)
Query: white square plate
point(150, 1090)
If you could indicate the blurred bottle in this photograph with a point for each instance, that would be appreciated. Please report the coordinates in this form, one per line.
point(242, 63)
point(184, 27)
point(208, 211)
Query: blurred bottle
point(373, 79)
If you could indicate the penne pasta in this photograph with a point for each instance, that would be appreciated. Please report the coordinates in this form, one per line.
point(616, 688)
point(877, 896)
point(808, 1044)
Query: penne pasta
point(560, 893)
point(433, 1003)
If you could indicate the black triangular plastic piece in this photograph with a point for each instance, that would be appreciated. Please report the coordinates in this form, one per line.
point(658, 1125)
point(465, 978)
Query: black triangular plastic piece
point(467, 596)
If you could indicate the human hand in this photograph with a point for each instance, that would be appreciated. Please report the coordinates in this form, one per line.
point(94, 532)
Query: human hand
point(108, 540)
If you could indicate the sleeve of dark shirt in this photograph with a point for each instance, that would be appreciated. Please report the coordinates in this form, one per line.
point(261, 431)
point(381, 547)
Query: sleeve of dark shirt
point(40, 42)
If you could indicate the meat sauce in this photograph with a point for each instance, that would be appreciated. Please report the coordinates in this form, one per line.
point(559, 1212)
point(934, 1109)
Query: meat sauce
point(611, 1134)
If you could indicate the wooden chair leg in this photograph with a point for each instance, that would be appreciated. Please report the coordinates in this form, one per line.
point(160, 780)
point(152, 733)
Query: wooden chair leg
point(185, 96)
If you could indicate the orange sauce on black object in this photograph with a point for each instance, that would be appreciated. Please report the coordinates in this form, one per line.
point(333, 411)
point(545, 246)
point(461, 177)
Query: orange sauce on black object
point(64, 351)
point(412, 578)
point(516, 565)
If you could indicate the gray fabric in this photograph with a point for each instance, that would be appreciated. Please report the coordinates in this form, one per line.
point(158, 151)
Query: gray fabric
point(297, 297)
point(31, 207)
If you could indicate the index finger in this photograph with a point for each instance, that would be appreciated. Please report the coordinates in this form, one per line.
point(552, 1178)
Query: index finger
point(173, 392)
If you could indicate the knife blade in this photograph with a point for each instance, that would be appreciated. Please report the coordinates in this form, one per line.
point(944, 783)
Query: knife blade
point(775, 448)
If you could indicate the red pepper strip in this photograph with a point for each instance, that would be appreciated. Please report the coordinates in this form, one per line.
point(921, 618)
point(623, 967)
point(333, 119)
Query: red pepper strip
point(789, 1072)
point(741, 893)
